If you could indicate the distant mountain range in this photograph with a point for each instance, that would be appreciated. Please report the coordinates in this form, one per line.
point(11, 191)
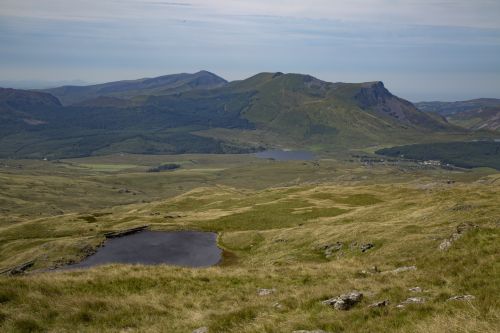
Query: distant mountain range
point(476, 114)
point(203, 113)
point(162, 85)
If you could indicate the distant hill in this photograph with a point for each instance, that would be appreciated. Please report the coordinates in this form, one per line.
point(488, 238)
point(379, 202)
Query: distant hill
point(280, 110)
point(21, 107)
point(487, 118)
point(162, 85)
point(476, 114)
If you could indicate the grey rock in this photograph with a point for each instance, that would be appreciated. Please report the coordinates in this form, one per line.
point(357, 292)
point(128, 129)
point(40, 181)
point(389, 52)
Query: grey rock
point(366, 247)
point(345, 301)
point(379, 304)
point(201, 330)
point(461, 229)
point(411, 300)
point(403, 269)
point(266, 292)
point(415, 290)
point(332, 248)
point(462, 298)
point(314, 331)
point(445, 245)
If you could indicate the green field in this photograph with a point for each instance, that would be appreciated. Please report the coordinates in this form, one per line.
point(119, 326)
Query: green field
point(274, 220)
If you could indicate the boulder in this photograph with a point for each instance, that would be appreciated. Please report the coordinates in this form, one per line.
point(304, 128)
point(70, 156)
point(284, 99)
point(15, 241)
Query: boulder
point(345, 301)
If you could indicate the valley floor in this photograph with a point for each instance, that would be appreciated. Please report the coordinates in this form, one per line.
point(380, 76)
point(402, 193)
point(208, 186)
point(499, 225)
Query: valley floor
point(304, 231)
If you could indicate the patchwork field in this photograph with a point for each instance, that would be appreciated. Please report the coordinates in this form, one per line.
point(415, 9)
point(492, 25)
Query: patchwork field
point(293, 233)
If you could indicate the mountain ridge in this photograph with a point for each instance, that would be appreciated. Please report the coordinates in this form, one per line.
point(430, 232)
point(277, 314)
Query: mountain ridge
point(294, 110)
point(160, 85)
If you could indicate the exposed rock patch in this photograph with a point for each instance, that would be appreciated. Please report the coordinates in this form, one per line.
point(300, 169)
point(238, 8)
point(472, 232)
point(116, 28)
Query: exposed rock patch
point(345, 301)
point(18, 270)
point(266, 292)
point(120, 233)
point(336, 248)
point(462, 298)
point(402, 269)
point(462, 229)
point(330, 249)
point(411, 300)
point(201, 330)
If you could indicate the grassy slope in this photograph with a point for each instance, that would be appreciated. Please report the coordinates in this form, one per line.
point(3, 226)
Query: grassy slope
point(273, 227)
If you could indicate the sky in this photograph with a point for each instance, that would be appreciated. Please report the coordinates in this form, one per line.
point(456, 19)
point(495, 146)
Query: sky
point(421, 49)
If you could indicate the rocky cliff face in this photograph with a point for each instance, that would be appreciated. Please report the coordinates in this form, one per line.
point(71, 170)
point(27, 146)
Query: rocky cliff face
point(374, 96)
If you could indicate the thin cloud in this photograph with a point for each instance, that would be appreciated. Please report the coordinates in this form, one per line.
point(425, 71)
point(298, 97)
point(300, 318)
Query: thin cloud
point(466, 13)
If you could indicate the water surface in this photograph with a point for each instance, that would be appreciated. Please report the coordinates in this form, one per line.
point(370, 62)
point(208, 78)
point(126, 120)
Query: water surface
point(182, 248)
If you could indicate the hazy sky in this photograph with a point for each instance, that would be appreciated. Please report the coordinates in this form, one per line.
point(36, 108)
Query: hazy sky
point(421, 49)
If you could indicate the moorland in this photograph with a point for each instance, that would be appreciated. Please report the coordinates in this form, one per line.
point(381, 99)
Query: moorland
point(418, 238)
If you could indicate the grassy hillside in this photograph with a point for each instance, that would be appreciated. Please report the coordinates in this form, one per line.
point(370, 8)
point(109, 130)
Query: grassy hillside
point(276, 221)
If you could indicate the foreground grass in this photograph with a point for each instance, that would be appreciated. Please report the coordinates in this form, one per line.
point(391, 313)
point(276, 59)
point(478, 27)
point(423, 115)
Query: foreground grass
point(275, 238)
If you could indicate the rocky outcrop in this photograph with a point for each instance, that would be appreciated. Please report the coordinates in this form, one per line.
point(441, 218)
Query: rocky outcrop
point(18, 270)
point(345, 301)
point(460, 231)
point(120, 233)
